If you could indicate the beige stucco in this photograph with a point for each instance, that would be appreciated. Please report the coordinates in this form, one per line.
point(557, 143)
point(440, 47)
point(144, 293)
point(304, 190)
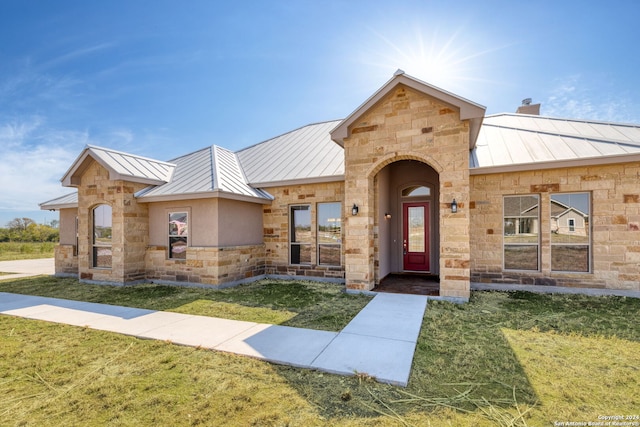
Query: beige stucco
point(213, 222)
point(68, 226)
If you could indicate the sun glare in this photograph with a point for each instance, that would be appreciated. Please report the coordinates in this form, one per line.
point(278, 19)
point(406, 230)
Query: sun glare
point(442, 60)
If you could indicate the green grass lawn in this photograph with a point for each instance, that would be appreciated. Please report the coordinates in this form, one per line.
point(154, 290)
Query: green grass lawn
point(10, 251)
point(502, 359)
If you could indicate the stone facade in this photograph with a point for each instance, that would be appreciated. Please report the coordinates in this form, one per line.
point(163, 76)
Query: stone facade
point(206, 265)
point(615, 224)
point(66, 260)
point(408, 125)
point(130, 228)
point(276, 228)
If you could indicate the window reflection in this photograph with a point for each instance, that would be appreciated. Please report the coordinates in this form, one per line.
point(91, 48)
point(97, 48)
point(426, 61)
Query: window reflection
point(570, 232)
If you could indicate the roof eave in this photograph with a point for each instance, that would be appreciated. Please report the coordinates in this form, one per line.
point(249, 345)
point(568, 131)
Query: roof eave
point(57, 207)
point(556, 164)
point(302, 181)
point(206, 195)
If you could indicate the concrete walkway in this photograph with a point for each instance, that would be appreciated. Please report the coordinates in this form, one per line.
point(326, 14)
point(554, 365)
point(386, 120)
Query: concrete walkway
point(27, 268)
point(380, 341)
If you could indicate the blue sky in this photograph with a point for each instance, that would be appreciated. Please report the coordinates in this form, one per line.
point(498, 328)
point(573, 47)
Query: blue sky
point(162, 79)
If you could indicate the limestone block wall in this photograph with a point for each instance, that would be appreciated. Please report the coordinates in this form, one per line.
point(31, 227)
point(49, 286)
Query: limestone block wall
point(130, 228)
point(207, 265)
point(615, 224)
point(276, 228)
point(408, 125)
point(66, 261)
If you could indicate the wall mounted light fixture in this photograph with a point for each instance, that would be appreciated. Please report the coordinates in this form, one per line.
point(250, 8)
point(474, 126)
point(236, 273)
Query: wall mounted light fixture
point(387, 216)
point(354, 210)
point(454, 206)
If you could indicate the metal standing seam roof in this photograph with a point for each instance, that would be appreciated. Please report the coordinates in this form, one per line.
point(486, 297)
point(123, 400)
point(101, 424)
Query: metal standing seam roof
point(210, 170)
point(517, 140)
point(67, 201)
point(123, 166)
point(307, 154)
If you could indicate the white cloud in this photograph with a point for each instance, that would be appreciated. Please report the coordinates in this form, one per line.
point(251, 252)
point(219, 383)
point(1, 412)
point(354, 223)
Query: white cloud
point(33, 159)
point(576, 98)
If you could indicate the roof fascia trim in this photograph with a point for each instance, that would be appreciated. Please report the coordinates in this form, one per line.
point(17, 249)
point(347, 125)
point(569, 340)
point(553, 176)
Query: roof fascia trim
point(557, 164)
point(285, 183)
point(216, 194)
point(469, 110)
point(57, 207)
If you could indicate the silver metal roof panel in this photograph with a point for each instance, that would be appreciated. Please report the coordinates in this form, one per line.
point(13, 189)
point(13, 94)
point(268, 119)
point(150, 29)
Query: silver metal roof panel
point(510, 140)
point(210, 172)
point(305, 153)
point(67, 201)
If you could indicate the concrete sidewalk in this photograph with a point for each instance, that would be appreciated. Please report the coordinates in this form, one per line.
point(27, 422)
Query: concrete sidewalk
point(27, 268)
point(380, 341)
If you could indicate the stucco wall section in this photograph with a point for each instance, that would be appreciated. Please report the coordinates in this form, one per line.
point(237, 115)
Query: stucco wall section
point(615, 213)
point(207, 265)
point(276, 227)
point(68, 226)
point(407, 125)
point(212, 222)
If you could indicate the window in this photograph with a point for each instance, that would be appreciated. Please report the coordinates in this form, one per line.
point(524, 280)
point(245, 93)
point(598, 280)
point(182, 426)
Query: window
point(521, 223)
point(178, 235)
point(329, 233)
point(102, 236)
point(570, 232)
point(300, 238)
point(416, 191)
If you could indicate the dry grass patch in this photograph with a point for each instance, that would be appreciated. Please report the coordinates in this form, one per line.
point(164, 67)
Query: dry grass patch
point(506, 359)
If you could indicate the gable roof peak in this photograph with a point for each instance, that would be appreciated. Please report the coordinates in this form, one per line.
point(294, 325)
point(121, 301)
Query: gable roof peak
point(469, 110)
point(121, 166)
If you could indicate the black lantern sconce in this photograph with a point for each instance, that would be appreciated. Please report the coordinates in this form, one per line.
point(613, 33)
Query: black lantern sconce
point(354, 210)
point(454, 206)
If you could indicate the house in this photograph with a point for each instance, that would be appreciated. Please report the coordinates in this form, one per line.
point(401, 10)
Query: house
point(416, 180)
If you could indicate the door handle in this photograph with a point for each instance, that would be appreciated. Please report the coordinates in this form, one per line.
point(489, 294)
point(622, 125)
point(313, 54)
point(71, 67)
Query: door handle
point(404, 247)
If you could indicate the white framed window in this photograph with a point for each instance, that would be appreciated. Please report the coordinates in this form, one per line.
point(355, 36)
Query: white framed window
point(102, 227)
point(570, 223)
point(178, 235)
point(329, 233)
point(521, 232)
point(300, 238)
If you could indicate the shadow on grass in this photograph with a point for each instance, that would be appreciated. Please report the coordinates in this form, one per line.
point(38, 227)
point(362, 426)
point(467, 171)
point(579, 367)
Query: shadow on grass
point(474, 361)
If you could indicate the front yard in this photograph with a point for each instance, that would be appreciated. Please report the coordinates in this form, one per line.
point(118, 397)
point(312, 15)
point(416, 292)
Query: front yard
point(502, 359)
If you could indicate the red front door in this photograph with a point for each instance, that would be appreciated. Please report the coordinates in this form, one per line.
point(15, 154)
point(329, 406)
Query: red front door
point(415, 236)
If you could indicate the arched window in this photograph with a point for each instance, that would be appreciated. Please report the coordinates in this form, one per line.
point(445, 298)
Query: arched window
point(102, 229)
point(416, 190)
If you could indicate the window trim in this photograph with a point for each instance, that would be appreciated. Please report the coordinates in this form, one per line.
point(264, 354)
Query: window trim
point(538, 243)
point(318, 243)
point(291, 228)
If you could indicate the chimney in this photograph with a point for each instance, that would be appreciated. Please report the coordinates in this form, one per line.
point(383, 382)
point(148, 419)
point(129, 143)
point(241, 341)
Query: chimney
point(528, 108)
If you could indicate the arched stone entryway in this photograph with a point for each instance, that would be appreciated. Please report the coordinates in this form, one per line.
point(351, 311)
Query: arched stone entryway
point(406, 189)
